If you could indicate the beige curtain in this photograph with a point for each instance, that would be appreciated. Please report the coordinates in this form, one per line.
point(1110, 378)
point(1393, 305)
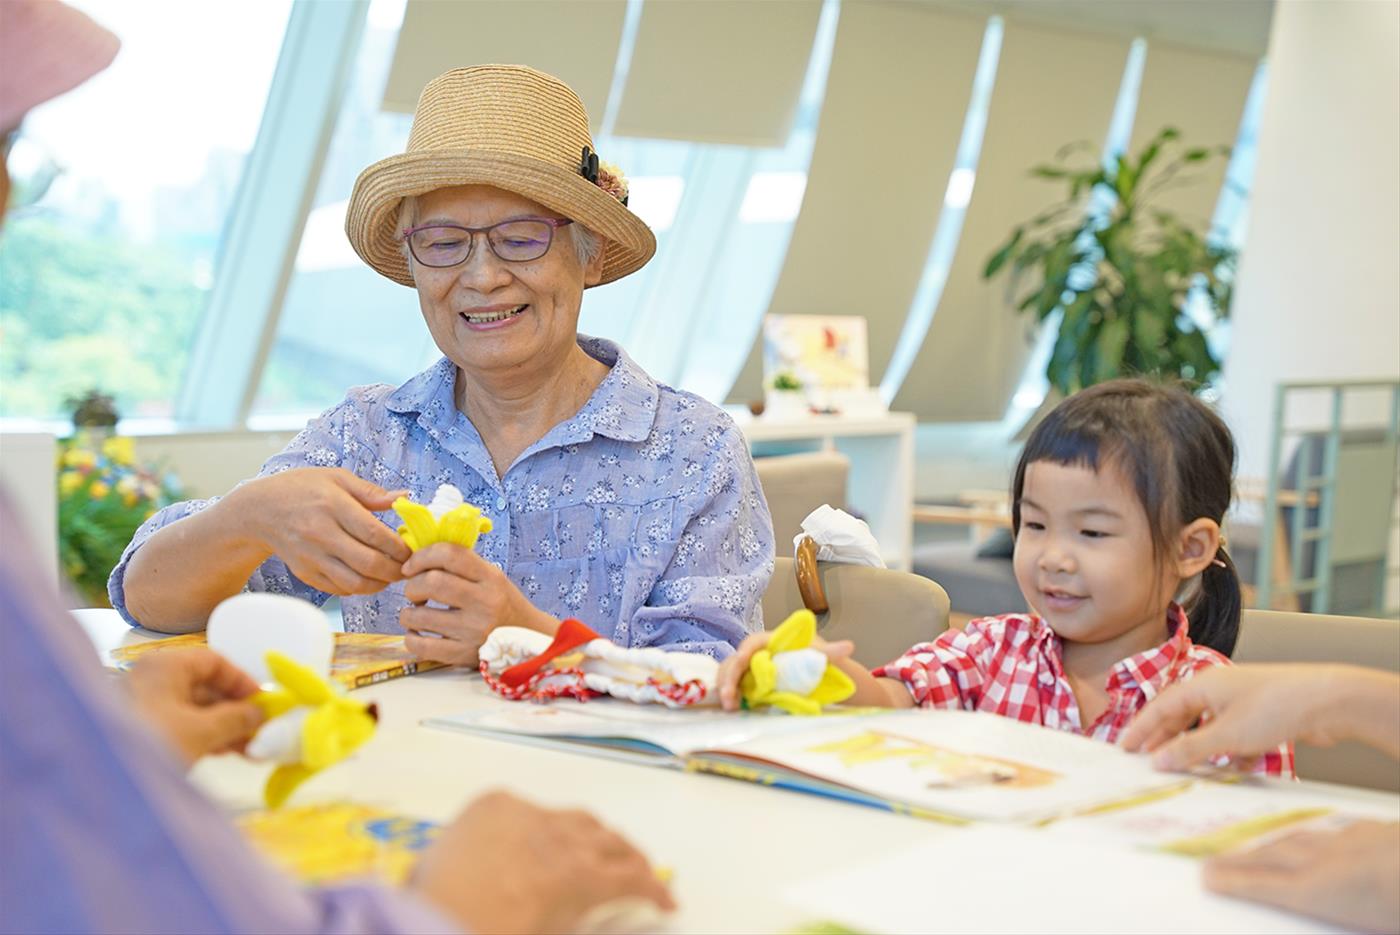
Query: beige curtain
point(576, 41)
point(897, 93)
point(718, 71)
point(1202, 94)
point(1052, 88)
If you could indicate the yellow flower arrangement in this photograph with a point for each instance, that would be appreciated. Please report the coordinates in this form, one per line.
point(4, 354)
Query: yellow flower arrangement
point(104, 494)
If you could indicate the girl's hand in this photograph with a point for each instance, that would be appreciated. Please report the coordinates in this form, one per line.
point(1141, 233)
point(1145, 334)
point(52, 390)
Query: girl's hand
point(321, 523)
point(732, 670)
point(478, 598)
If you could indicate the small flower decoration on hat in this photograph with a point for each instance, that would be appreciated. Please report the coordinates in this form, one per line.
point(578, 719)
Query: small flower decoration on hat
point(605, 175)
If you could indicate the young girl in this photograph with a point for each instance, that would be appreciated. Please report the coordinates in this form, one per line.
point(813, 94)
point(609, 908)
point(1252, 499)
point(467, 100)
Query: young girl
point(1116, 507)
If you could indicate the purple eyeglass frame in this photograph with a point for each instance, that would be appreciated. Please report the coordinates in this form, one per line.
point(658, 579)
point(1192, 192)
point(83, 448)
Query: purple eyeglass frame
point(554, 225)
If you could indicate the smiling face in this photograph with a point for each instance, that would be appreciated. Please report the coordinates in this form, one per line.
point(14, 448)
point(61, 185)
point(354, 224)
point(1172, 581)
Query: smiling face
point(488, 315)
point(1084, 558)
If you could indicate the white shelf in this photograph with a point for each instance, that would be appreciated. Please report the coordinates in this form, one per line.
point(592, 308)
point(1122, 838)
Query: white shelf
point(881, 449)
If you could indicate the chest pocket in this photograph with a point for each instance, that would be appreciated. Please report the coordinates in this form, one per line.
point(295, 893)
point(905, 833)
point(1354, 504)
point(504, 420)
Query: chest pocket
point(586, 530)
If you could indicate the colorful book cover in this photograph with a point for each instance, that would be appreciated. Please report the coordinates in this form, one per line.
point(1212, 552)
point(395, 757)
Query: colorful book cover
point(360, 659)
point(329, 843)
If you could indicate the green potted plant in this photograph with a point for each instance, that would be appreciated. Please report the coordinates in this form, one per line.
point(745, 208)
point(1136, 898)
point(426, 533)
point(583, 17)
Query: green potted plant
point(1121, 276)
point(104, 494)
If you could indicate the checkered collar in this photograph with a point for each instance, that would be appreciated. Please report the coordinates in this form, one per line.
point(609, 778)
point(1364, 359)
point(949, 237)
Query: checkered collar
point(1152, 670)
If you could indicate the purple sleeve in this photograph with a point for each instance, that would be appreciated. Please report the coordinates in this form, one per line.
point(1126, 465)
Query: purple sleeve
point(99, 829)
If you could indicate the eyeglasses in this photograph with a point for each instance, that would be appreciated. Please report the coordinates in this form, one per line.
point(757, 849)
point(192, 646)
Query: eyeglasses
point(515, 241)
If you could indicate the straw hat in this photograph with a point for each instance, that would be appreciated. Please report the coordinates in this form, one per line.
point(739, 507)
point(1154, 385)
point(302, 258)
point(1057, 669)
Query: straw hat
point(46, 48)
point(508, 126)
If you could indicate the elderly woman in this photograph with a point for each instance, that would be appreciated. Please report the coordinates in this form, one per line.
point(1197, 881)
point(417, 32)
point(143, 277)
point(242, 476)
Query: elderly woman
point(615, 500)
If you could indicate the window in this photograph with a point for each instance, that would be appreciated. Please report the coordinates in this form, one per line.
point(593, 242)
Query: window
point(103, 280)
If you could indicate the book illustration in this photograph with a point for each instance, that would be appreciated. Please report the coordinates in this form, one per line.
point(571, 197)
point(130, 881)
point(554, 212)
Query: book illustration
point(938, 767)
point(329, 843)
point(1204, 819)
point(359, 659)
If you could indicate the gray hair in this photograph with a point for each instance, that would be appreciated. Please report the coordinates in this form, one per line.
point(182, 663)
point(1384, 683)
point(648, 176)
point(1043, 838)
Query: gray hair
point(587, 244)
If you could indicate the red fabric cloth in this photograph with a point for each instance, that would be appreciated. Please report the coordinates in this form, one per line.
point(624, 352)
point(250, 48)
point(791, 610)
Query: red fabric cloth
point(570, 636)
point(1012, 665)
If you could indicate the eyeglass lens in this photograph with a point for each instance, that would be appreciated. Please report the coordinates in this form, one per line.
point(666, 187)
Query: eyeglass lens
point(513, 241)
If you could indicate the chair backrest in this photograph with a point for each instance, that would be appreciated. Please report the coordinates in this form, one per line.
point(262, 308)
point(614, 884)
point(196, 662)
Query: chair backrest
point(882, 610)
point(1280, 636)
point(27, 472)
point(795, 485)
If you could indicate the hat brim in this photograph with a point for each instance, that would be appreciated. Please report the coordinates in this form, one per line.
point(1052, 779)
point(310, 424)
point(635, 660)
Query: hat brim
point(371, 221)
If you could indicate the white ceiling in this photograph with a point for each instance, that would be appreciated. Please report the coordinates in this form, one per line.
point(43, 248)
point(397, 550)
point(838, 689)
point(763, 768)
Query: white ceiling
point(1240, 26)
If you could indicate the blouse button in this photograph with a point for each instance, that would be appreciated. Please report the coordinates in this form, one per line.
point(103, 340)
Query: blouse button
point(501, 504)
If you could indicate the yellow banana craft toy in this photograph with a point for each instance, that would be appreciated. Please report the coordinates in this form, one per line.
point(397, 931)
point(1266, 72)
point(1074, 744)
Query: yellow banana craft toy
point(791, 674)
point(310, 725)
point(447, 519)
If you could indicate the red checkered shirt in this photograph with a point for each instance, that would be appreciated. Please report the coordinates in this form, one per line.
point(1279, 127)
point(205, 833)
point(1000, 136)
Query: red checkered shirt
point(1012, 665)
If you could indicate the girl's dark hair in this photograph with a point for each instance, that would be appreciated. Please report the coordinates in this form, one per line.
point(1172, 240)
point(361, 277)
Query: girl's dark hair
point(1179, 456)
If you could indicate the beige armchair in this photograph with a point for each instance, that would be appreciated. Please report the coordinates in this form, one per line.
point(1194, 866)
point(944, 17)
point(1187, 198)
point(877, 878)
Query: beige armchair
point(882, 610)
point(797, 484)
point(1280, 636)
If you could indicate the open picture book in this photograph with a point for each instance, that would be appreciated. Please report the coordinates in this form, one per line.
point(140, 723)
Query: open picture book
point(359, 659)
point(937, 764)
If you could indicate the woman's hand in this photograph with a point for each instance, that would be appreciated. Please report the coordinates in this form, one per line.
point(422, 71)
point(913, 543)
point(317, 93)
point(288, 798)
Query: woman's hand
point(732, 669)
point(195, 699)
point(508, 866)
point(321, 523)
point(477, 598)
point(1251, 709)
point(1345, 877)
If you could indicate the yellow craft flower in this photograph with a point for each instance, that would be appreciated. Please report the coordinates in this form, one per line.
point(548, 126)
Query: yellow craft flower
point(99, 489)
point(120, 449)
point(789, 674)
point(331, 730)
point(68, 482)
point(462, 524)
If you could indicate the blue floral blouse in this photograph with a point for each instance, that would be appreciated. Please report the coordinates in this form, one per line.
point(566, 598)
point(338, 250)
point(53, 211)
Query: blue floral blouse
point(641, 515)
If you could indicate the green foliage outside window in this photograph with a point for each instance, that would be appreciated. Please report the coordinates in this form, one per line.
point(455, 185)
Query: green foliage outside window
point(81, 308)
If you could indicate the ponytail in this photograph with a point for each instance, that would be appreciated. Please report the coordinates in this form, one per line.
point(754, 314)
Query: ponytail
point(1215, 614)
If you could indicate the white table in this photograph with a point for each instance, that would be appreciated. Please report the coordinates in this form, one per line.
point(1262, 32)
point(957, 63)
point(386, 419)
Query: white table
point(734, 847)
point(881, 449)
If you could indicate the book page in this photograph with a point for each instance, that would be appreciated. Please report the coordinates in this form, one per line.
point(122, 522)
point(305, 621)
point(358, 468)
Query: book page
point(958, 763)
point(1209, 818)
point(671, 732)
point(1002, 879)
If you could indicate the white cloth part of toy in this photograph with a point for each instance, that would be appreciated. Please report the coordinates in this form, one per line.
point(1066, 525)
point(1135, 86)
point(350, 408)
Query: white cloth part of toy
point(279, 740)
point(445, 500)
point(840, 537)
point(645, 675)
point(800, 670)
